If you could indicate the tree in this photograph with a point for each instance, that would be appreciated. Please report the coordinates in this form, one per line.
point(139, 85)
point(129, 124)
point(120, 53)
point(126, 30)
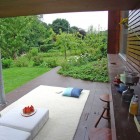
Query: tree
point(74, 29)
point(62, 24)
point(82, 32)
point(12, 36)
point(19, 34)
point(65, 42)
point(49, 41)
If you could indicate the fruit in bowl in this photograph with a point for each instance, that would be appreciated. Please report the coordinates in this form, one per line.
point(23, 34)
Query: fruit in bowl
point(28, 109)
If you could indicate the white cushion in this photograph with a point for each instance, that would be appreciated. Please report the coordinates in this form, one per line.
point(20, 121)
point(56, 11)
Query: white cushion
point(7, 133)
point(32, 124)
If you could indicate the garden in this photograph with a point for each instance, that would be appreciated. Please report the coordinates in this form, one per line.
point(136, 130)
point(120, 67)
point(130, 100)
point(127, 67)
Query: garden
point(30, 47)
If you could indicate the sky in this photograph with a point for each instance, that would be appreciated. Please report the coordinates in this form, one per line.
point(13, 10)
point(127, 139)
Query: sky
point(99, 20)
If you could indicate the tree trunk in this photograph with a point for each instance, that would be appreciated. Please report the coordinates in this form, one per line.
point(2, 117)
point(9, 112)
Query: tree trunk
point(65, 52)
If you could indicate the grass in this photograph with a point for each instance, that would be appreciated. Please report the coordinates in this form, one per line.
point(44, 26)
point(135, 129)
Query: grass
point(16, 77)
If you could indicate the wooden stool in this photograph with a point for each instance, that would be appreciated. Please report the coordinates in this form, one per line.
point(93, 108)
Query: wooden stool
point(106, 109)
point(99, 134)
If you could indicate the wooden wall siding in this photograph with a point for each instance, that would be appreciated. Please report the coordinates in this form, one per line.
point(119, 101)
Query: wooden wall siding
point(133, 41)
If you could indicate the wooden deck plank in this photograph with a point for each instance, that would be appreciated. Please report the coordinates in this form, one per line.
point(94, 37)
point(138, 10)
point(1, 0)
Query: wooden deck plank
point(93, 108)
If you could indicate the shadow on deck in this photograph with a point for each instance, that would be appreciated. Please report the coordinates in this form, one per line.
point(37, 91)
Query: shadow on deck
point(93, 107)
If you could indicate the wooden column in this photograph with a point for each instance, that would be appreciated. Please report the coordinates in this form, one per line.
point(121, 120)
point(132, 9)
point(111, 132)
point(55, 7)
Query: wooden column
point(113, 32)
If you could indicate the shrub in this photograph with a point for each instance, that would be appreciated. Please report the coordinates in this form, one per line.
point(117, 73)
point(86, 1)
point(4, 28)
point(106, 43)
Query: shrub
point(34, 51)
point(65, 66)
point(46, 47)
point(92, 71)
point(49, 63)
point(21, 62)
point(78, 60)
point(83, 59)
point(73, 61)
point(37, 60)
point(6, 63)
point(43, 64)
point(29, 56)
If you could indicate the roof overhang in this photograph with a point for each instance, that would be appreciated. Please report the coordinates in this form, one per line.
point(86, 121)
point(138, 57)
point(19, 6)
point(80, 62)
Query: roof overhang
point(9, 8)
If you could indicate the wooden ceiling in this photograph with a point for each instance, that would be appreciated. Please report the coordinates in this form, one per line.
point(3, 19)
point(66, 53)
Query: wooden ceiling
point(9, 8)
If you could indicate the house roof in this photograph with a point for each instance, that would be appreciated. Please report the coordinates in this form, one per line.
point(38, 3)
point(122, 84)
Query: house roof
point(9, 8)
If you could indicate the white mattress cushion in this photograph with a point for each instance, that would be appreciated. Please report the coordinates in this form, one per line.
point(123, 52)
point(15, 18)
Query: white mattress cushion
point(32, 124)
point(7, 133)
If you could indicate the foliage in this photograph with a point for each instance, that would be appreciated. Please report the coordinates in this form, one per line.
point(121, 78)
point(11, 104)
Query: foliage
point(70, 42)
point(48, 42)
point(62, 42)
point(93, 71)
point(74, 29)
point(21, 62)
point(79, 60)
point(19, 34)
point(16, 77)
point(50, 63)
point(12, 36)
point(34, 51)
point(82, 33)
point(37, 60)
point(46, 47)
point(65, 66)
point(60, 24)
point(29, 42)
point(6, 63)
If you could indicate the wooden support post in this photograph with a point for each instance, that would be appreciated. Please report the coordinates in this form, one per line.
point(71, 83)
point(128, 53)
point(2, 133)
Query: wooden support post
point(113, 32)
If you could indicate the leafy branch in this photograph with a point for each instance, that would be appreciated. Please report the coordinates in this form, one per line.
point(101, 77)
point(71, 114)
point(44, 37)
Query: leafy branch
point(124, 22)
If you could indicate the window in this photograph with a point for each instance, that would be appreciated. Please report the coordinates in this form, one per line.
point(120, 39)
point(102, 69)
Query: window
point(123, 36)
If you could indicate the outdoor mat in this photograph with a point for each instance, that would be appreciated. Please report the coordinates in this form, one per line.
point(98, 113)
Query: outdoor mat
point(64, 112)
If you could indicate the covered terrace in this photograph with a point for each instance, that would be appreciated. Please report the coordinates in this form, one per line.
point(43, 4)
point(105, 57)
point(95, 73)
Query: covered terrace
point(123, 52)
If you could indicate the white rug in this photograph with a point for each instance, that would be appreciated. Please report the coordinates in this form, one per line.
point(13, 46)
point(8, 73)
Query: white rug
point(64, 112)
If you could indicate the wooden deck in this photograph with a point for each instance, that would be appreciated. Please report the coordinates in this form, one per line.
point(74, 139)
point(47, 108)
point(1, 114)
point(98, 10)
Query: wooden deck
point(93, 107)
point(91, 112)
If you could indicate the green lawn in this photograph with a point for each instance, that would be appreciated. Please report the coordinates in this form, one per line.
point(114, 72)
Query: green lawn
point(16, 77)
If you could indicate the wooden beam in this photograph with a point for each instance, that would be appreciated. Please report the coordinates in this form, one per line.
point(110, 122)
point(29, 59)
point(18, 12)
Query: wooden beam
point(12, 8)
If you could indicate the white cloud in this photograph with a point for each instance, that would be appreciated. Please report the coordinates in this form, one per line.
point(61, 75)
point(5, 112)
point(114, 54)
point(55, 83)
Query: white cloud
point(81, 19)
